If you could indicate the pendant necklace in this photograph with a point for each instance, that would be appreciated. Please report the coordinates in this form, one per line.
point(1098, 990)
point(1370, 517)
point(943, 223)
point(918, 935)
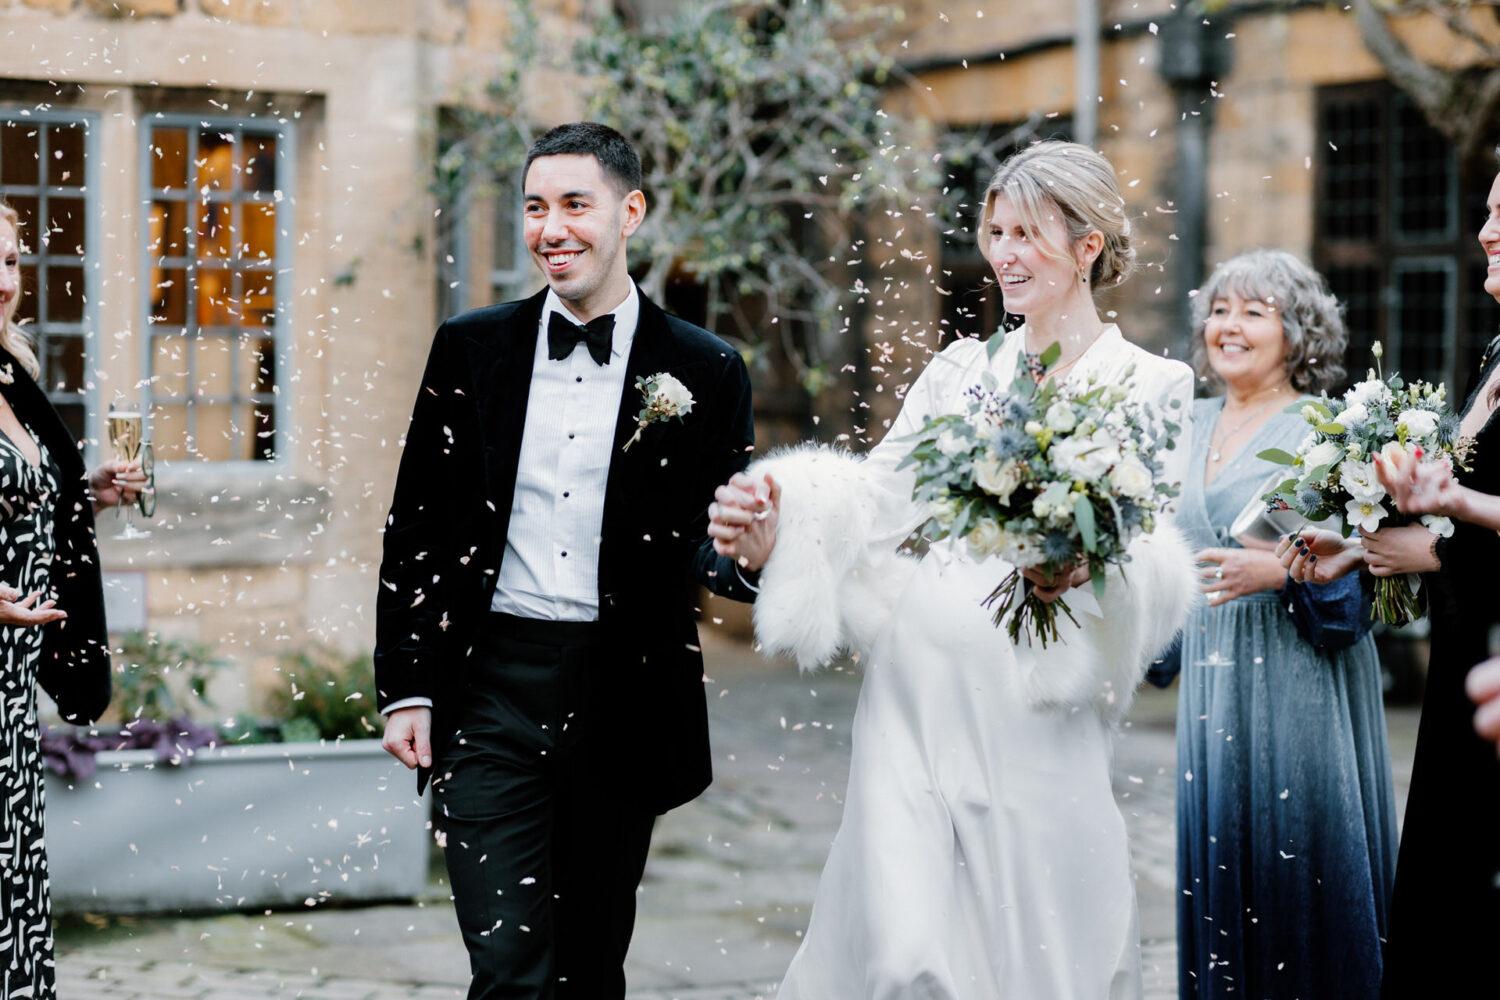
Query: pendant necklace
point(1216, 454)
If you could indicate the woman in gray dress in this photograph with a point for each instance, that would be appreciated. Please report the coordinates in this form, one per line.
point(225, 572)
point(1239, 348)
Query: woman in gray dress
point(1285, 810)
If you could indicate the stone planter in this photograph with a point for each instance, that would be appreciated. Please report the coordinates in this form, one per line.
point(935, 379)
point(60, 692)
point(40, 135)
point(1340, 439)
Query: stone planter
point(240, 827)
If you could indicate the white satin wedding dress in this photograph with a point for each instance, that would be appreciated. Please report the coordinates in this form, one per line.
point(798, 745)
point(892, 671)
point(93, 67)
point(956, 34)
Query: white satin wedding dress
point(981, 854)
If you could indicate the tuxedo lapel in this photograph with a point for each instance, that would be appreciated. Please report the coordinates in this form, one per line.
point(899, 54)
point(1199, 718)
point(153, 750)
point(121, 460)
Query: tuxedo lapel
point(502, 379)
point(651, 351)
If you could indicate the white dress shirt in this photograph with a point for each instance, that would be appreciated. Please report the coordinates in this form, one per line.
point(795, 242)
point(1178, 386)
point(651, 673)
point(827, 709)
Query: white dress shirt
point(551, 565)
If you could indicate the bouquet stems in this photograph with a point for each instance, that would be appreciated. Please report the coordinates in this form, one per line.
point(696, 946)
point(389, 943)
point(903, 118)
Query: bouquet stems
point(1395, 601)
point(1034, 612)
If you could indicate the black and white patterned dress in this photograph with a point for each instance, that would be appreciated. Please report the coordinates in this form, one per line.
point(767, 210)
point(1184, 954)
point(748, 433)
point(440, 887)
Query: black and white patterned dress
point(27, 499)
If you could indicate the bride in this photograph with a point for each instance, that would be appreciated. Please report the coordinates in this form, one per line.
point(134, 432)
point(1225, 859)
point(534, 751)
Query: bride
point(981, 853)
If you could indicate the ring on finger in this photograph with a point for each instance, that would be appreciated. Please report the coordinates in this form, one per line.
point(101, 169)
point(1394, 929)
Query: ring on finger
point(1219, 573)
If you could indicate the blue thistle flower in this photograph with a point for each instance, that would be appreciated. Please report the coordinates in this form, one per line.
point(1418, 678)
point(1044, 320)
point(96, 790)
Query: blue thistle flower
point(1011, 441)
point(1130, 514)
point(1057, 546)
point(1307, 499)
point(1447, 429)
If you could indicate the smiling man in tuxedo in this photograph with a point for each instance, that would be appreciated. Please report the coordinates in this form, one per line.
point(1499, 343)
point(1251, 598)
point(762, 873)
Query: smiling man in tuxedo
point(536, 641)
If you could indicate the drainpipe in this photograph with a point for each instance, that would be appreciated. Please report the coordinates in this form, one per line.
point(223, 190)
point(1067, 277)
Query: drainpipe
point(1193, 54)
point(1086, 72)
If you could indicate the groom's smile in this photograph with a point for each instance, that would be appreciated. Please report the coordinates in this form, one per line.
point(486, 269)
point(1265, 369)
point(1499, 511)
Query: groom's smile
point(576, 221)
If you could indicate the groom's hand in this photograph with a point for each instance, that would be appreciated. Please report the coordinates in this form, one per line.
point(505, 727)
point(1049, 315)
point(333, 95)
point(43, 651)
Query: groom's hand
point(408, 736)
point(743, 519)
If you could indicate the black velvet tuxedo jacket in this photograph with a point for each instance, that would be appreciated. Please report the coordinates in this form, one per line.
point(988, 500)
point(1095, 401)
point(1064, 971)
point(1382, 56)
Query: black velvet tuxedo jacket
point(445, 535)
point(74, 666)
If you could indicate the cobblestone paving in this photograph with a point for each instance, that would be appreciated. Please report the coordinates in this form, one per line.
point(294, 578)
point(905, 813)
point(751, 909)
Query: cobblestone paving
point(726, 892)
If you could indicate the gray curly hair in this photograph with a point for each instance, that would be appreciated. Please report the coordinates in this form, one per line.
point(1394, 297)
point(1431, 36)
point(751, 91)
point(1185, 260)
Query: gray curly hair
point(1311, 316)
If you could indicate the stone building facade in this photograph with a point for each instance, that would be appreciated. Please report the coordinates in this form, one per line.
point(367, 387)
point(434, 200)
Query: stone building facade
point(232, 223)
point(1275, 111)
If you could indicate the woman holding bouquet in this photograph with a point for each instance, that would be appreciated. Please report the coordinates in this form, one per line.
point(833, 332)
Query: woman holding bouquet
point(1445, 911)
point(1286, 821)
point(981, 853)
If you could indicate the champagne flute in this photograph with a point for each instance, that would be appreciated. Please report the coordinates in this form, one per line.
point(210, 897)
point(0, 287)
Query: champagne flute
point(125, 429)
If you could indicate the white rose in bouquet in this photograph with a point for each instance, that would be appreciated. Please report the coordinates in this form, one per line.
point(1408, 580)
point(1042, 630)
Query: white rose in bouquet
point(1419, 424)
point(945, 511)
point(1060, 417)
point(1321, 454)
point(999, 479)
point(986, 539)
point(1087, 458)
point(1132, 478)
point(1354, 416)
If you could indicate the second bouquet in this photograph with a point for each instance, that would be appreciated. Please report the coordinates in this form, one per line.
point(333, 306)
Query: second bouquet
point(1332, 476)
point(1046, 475)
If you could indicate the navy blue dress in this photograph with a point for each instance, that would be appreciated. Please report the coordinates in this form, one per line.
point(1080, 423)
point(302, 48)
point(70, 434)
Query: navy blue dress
point(1286, 819)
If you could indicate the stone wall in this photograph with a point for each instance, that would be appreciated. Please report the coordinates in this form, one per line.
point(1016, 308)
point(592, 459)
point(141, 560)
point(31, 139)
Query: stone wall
point(261, 559)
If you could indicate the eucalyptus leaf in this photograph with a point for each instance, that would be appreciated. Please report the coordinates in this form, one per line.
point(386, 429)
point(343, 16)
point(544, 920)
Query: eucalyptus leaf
point(1276, 455)
point(1083, 515)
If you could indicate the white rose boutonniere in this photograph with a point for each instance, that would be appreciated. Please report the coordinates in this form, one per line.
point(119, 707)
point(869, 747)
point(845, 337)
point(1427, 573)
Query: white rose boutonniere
point(666, 398)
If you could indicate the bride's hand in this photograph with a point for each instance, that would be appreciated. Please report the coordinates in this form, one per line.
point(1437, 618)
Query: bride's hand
point(1066, 576)
point(743, 519)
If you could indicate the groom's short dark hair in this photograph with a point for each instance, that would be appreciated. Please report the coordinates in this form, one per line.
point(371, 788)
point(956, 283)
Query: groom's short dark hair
point(621, 163)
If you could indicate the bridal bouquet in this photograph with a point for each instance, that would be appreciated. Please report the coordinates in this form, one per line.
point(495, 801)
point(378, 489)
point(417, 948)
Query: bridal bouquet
point(1333, 472)
point(1042, 475)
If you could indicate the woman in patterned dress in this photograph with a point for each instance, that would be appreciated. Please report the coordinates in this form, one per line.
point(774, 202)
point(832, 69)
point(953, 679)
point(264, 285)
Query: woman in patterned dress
point(51, 620)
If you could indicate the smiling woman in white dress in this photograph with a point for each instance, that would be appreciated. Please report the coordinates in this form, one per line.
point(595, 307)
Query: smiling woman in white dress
point(981, 853)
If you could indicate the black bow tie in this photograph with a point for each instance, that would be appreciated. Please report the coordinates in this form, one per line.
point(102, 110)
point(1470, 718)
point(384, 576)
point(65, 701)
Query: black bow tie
point(563, 335)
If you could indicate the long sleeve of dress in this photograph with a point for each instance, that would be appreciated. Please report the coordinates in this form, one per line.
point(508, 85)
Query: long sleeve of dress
point(837, 570)
point(836, 574)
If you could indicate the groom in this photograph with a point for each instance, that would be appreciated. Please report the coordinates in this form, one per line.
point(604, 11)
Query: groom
point(536, 648)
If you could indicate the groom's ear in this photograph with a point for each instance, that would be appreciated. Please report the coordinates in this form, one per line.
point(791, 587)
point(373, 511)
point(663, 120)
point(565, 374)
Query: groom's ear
point(632, 213)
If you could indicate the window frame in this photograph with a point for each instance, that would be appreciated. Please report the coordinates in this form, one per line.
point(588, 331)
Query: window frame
point(283, 269)
point(1468, 318)
point(88, 326)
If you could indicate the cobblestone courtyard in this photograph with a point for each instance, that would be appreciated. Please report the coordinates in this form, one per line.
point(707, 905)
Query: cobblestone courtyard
point(725, 895)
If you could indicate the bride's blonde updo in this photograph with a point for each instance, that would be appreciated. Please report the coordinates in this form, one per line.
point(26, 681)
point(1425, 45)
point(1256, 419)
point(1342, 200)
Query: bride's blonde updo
point(12, 338)
point(1078, 182)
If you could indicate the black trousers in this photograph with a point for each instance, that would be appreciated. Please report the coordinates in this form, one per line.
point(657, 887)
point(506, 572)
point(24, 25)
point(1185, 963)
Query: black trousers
point(544, 852)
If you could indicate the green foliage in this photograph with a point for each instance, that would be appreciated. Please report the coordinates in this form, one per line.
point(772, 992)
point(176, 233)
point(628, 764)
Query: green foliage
point(765, 149)
point(763, 138)
point(159, 679)
point(325, 695)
